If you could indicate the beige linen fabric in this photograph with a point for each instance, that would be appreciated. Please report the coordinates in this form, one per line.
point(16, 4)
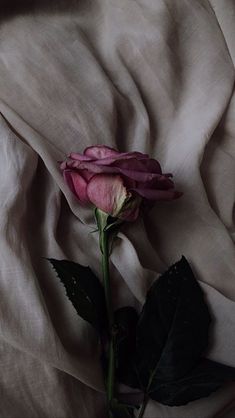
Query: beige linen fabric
point(155, 76)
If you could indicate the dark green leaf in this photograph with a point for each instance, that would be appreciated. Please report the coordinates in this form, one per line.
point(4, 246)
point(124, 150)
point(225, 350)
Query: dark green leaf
point(204, 379)
point(172, 332)
point(84, 290)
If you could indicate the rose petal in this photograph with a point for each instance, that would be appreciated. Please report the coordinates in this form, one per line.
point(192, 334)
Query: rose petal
point(122, 157)
point(159, 183)
point(92, 167)
point(63, 165)
point(144, 165)
point(138, 175)
point(107, 193)
point(100, 151)
point(86, 175)
point(79, 157)
point(130, 215)
point(151, 194)
point(77, 185)
point(107, 160)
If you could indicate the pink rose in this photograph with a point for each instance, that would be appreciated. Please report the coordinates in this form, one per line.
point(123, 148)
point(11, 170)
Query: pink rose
point(118, 183)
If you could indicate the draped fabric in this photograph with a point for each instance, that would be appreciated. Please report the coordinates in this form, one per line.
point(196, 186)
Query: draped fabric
point(155, 76)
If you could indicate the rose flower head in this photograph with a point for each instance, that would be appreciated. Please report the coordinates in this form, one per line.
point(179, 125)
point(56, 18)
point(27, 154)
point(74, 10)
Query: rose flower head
point(118, 183)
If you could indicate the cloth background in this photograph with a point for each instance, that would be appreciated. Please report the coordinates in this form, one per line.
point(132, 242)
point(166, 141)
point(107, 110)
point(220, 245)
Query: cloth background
point(155, 76)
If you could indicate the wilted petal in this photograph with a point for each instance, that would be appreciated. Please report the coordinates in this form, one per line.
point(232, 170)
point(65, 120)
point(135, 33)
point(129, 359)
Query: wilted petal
point(100, 151)
point(139, 164)
point(161, 182)
point(92, 167)
point(130, 210)
point(151, 194)
point(87, 175)
point(123, 156)
point(108, 160)
point(63, 165)
point(79, 157)
point(77, 185)
point(107, 193)
point(153, 166)
point(139, 176)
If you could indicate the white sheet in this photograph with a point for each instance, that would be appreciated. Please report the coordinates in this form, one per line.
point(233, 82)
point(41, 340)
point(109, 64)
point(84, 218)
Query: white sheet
point(155, 76)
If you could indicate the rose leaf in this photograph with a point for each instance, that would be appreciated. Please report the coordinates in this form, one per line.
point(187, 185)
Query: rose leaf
point(172, 331)
point(84, 290)
point(205, 378)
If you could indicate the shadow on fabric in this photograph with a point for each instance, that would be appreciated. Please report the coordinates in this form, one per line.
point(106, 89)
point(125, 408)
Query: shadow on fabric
point(12, 8)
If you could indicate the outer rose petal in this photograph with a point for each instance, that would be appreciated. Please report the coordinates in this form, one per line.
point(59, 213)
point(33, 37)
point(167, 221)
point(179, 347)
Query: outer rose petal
point(137, 163)
point(122, 157)
point(151, 194)
point(110, 159)
point(131, 210)
point(131, 215)
point(77, 185)
point(78, 156)
point(92, 167)
point(100, 151)
point(63, 165)
point(107, 193)
point(160, 183)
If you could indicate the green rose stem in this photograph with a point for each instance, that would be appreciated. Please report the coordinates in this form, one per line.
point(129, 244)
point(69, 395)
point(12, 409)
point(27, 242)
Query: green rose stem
point(146, 397)
point(106, 281)
point(102, 222)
